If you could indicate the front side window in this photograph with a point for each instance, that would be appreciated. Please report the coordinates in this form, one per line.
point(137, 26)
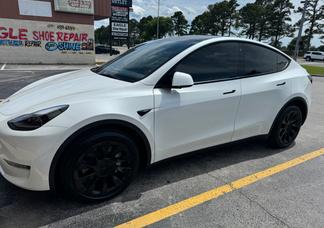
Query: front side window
point(214, 62)
point(258, 60)
point(143, 60)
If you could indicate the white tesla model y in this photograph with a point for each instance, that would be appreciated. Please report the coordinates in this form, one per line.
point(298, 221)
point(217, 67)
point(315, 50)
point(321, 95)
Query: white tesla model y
point(88, 132)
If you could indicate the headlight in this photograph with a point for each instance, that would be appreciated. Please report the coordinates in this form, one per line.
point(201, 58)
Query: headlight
point(37, 119)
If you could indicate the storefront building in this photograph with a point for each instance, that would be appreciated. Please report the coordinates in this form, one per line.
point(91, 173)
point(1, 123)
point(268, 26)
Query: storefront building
point(50, 31)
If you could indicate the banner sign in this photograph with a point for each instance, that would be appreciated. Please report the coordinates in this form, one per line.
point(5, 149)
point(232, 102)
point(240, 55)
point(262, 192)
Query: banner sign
point(75, 6)
point(127, 3)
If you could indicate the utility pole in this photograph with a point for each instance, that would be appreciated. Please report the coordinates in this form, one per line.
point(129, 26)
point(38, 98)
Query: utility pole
point(158, 22)
point(302, 21)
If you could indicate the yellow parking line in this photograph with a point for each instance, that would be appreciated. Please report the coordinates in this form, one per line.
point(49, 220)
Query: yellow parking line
point(181, 206)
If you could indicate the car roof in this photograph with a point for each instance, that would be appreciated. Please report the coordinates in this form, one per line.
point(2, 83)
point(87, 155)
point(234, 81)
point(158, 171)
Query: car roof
point(195, 39)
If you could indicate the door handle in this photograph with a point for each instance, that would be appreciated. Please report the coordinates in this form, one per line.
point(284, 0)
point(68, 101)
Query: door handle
point(281, 84)
point(226, 93)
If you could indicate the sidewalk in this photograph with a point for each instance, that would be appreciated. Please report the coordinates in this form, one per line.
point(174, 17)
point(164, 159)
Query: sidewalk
point(100, 59)
point(12, 67)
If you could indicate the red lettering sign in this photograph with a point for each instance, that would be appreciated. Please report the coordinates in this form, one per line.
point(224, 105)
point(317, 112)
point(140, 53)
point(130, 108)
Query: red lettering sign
point(22, 34)
point(59, 36)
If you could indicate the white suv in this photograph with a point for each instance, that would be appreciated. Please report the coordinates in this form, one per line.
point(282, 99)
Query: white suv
point(88, 132)
point(314, 55)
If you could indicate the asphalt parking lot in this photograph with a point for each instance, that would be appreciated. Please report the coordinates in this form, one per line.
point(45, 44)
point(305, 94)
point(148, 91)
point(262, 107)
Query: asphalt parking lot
point(292, 197)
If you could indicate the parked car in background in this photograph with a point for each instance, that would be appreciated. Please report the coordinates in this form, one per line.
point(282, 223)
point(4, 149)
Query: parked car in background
point(314, 55)
point(103, 49)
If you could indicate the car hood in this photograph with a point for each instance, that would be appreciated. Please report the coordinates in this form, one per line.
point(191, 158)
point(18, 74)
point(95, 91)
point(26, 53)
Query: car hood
point(57, 87)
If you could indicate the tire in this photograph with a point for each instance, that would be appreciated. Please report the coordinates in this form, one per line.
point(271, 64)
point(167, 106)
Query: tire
point(99, 167)
point(308, 59)
point(286, 127)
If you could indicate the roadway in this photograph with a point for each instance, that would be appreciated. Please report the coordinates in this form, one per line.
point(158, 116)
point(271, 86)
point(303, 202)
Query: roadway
point(292, 196)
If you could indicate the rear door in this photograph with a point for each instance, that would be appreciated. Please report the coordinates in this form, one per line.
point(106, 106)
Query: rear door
point(264, 89)
point(203, 115)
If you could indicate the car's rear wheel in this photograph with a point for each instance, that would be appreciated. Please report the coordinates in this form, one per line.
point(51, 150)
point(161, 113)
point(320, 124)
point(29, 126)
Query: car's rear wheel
point(286, 127)
point(99, 167)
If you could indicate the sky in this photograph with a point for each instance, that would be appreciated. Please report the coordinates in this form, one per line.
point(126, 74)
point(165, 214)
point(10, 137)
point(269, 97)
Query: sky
point(190, 8)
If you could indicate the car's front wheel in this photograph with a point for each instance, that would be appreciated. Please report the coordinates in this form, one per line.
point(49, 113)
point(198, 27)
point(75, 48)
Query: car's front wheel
point(100, 166)
point(286, 127)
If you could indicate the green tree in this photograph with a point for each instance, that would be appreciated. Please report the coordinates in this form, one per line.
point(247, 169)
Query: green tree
point(280, 20)
point(166, 26)
point(134, 31)
point(147, 28)
point(201, 24)
point(146, 32)
point(180, 24)
point(291, 46)
point(222, 15)
point(233, 14)
point(102, 35)
point(321, 48)
point(314, 15)
point(264, 20)
point(249, 19)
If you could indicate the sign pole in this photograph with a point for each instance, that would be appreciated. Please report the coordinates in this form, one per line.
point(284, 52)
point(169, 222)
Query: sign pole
point(128, 38)
point(110, 37)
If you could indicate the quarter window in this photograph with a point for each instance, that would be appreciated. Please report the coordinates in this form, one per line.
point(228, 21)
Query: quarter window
point(258, 60)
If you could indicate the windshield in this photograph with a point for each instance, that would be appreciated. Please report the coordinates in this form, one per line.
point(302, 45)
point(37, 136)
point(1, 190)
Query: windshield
point(141, 61)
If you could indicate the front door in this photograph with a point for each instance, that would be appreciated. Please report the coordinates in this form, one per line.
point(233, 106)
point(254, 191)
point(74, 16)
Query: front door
point(203, 115)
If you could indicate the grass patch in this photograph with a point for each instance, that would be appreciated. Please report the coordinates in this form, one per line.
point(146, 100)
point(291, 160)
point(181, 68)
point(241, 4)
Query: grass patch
point(314, 70)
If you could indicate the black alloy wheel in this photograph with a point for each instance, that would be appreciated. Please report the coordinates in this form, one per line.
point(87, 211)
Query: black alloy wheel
point(100, 167)
point(287, 127)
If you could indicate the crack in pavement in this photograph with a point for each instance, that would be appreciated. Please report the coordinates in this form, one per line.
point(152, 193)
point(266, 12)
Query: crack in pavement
point(252, 201)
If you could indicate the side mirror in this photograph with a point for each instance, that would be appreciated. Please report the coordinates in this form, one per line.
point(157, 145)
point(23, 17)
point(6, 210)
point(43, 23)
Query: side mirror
point(182, 80)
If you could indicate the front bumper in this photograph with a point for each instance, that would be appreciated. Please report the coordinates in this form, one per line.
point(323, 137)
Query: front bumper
point(26, 157)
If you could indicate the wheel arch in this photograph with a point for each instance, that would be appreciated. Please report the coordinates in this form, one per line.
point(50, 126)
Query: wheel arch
point(299, 102)
point(116, 125)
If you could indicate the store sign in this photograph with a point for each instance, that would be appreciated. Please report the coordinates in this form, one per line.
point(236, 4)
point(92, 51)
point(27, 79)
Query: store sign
point(119, 14)
point(127, 3)
point(120, 19)
point(120, 27)
point(75, 6)
point(24, 41)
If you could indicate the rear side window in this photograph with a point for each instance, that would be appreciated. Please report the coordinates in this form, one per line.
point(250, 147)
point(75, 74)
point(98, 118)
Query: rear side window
point(214, 62)
point(258, 60)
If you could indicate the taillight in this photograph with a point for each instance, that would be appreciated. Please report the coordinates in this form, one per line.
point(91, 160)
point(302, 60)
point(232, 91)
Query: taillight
point(310, 78)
